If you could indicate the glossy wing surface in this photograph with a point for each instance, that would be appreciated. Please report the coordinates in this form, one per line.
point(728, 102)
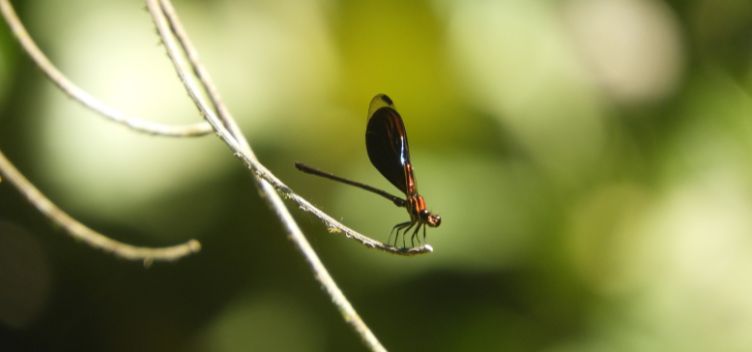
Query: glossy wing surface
point(386, 142)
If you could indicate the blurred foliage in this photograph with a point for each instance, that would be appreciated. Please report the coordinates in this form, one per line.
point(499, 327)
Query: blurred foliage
point(590, 160)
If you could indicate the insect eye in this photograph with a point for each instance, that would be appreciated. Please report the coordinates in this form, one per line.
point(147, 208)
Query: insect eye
point(434, 220)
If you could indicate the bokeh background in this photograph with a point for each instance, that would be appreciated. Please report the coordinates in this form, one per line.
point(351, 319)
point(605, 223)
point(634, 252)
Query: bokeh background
point(591, 160)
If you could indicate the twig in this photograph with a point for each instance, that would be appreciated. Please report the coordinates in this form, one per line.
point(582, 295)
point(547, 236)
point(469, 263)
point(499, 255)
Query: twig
point(203, 75)
point(84, 98)
point(228, 130)
point(79, 231)
point(242, 149)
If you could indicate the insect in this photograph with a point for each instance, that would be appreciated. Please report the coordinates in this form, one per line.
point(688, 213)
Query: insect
point(386, 143)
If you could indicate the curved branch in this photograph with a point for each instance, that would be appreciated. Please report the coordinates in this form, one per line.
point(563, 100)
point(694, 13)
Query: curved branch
point(331, 224)
point(79, 231)
point(203, 75)
point(161, 12)
point(84, 98)
point(227, 129)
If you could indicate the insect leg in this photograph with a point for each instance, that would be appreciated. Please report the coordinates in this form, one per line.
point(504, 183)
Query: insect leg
point(404, 232)
point(397, 227)
point(415, 234)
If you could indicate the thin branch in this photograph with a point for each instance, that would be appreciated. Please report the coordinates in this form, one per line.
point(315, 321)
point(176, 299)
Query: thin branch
point(242, 149)
point(322, 275)
point(84, 98)
point(228, 130)
point(79, 231)
point(203, 75)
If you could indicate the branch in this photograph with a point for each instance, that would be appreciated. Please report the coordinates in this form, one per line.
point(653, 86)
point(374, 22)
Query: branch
point(229, 132)
point(84, 98)
point(203, 75)
point(162, 12)
point(79, 231)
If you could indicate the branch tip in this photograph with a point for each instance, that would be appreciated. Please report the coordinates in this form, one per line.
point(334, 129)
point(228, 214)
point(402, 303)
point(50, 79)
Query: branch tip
point(81, 232)
point(83, 97)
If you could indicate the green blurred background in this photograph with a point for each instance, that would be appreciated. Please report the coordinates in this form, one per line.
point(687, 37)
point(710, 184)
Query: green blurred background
point(591, 160)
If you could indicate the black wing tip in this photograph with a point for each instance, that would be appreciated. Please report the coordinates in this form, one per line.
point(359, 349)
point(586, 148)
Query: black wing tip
point(382, 98)
point(385, 98)
point(380, 101)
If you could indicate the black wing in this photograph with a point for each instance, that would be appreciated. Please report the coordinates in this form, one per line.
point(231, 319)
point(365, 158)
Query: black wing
point(386, 142)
